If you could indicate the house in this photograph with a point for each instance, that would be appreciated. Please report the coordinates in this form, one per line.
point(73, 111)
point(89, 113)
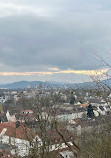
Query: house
point(26, 115)
point(27, 112)
point(10, 118)
point(67, 154)
point(17, 136)
point(21, 138)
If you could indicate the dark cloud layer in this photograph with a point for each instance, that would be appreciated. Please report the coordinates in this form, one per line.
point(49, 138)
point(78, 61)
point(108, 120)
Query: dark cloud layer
point(34, 41)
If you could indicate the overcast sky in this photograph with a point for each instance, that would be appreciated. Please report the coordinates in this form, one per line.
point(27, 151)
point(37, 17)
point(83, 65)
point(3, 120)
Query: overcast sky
point(53, 39)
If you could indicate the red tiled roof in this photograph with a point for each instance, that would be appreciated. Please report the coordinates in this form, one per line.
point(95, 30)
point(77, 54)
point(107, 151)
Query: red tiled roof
point(21, 132)
point(84, 105)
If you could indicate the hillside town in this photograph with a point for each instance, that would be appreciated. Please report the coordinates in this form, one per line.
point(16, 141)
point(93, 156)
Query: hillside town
point(26, 113)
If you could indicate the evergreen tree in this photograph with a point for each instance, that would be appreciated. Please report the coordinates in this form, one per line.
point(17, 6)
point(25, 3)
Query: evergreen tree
point(90, 112)
point(72, 100)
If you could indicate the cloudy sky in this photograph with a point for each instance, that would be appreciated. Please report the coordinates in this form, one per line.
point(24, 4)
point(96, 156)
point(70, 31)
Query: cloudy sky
point(53, 40)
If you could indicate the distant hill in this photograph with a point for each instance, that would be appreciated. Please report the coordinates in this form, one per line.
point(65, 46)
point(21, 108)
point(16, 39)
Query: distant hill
point(32, 84)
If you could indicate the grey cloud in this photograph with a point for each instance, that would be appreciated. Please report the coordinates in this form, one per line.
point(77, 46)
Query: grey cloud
point(65, 40)
point(27, 41)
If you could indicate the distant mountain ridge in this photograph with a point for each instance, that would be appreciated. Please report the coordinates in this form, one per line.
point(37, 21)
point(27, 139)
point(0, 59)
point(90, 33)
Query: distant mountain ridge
point(32, 84)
